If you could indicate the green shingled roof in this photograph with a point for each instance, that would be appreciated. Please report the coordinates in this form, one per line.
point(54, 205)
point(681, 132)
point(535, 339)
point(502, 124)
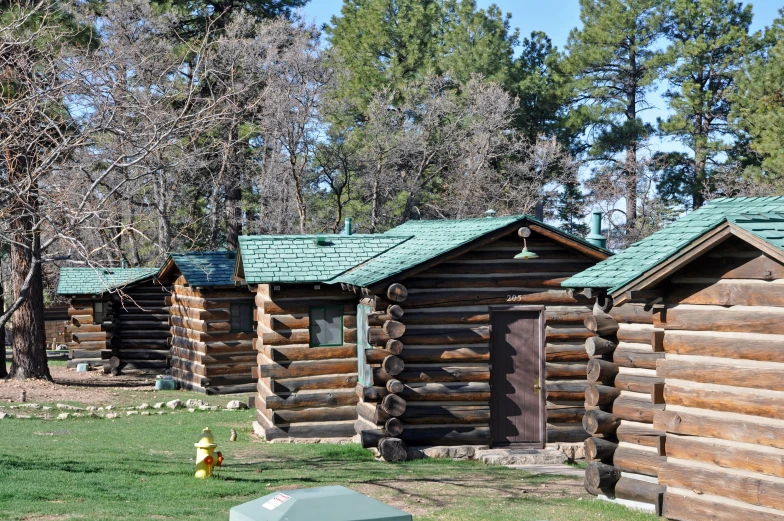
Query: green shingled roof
point(94, 281)
point(762, 216)
point(431, 239)
point(297, 258)
point(206, 268)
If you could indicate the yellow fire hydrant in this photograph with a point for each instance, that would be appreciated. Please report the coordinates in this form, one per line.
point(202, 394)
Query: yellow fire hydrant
point(206, 457)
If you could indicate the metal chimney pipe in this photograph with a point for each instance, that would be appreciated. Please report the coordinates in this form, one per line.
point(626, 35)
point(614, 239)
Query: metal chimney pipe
point(595, 237)
point(347, 229)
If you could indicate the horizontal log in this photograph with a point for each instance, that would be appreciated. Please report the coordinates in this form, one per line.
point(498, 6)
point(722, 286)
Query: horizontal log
point(757, 321)
point(297, 353)
point(457, 435)
point(336, 429)
point(476, 335)
point(501, 280)
point(644, 436)
point(492, 296)
point(445, 414)
point(731, 456)
point(637, 384)
point(199, 325)
point(565, 414)
point(632, 314)
point(566, 433)
point(707, 344)
point(566, 334)
point(294, 369)
point(574, 371)
point(213, 347)
point(393, 405)
point(636, 359)
point(566, 391)
point(529, 267)
point(731, 265)
point(436, 374)
point(438, 392)
point(601, 370)
point(600, 422)
point(631, 409)
point(308, 383)
point(599, 449)
point(565, 353)
point(200, 314)
point(322, 414)
point(597, 395)
point(638, 461)
point(601, 324)
point(397, 292)
point(597, 345)
point(753, 377)
point(92, 345)
point(200, 336)
point(746, 430)
point(369, 393)
point(217, 358)
point(331, 398)
point(727, 293)
point(599, 476)
point(640, 491)
point(725, 401)
point(752, 490)
point(372, 413)
point(691, 508)
point(445, 354)
point(88, 337)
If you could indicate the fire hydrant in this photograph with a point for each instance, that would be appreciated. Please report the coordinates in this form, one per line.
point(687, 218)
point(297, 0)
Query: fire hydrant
point(206, 457)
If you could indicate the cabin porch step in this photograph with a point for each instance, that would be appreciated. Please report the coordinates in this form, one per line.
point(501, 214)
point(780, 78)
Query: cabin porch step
point(511, 457)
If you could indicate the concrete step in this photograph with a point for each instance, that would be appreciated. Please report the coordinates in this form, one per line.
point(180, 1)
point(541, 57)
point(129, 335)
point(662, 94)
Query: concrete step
point(521, 457)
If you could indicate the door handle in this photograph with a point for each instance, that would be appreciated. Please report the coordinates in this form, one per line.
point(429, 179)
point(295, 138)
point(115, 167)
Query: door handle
point(536, 386)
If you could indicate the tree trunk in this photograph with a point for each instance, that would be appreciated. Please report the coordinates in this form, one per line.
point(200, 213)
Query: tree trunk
point(29, 340)
point(3, 371)
point(233, 218)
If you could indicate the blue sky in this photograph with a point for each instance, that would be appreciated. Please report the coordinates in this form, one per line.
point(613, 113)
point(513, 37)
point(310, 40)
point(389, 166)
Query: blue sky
point(555, 17)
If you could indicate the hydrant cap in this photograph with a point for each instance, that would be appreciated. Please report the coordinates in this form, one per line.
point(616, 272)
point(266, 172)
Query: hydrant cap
point(207, 440)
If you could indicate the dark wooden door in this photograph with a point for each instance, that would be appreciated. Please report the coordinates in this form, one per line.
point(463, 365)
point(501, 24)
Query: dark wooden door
point(516, 400)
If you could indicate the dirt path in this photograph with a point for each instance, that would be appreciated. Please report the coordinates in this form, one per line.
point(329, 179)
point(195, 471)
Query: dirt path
point(91, 388)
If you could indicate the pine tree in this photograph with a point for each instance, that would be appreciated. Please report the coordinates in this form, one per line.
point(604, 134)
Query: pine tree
point(391, 44)
point(615, 61)
point(570, 210)
point(709, 40)
point(758, 108)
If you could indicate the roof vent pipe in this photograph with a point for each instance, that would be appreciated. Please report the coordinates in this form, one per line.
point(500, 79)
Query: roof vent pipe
point(123, 264)
point(490, 214)
point(539, 211)
point(347, 229)
point(595, 237)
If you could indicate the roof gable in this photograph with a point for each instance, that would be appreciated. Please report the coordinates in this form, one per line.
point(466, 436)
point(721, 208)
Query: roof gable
point(95, 281)
point(758, 218)
point(204, 269)
point(300, 258)
point(434, 238)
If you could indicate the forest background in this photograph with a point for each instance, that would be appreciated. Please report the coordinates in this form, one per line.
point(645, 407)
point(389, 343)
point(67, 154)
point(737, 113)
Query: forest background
point(131, 129)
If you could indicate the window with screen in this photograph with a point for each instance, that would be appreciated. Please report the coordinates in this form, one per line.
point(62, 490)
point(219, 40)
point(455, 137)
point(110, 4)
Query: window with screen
point(326, 326)
point(99, 309)
point(241, 318)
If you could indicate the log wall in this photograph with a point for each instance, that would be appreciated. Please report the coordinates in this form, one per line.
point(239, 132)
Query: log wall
point(433, 381)
point(89, 339)
point(206, 356)
point(723, 374)
point(303, 391)
point(625, 451)
point(141, 334)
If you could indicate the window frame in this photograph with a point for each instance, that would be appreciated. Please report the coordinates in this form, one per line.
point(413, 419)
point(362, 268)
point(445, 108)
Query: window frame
point(240, 306)
point(102, 305)
point(312, 337)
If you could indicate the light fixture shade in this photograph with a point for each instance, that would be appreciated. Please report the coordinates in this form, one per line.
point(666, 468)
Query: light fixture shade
point(525, 254)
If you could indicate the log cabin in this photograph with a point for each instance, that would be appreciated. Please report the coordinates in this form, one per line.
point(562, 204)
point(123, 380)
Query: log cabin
point(445, 332)
point(211, 321)
point(118, 318)
point(689, 422)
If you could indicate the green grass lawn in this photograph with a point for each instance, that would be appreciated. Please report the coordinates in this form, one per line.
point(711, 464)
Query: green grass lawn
point(141, 467)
